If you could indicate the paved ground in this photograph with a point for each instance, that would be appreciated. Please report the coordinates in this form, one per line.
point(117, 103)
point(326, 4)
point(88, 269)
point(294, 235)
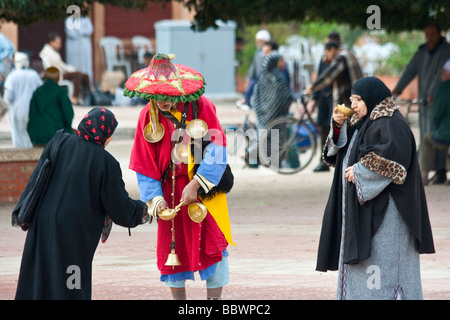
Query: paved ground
point(275, 223)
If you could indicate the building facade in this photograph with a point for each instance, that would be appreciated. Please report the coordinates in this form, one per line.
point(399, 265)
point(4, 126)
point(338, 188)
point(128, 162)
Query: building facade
point(107, 21)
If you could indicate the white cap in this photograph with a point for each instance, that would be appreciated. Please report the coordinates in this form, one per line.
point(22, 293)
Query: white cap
point(446, 66)
point(263, 35)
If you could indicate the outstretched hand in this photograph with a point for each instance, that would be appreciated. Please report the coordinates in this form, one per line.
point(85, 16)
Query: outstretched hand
point(161, 206)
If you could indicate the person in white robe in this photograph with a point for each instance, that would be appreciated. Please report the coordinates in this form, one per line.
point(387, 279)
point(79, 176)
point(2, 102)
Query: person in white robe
point(6, 57)
point(79, 45)
point(6, 64)
point(19, 87)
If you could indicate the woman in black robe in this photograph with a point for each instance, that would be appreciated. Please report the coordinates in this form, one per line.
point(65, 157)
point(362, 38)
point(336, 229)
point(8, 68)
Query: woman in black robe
point(85, 192)
point(272, 98)
point(376, 220)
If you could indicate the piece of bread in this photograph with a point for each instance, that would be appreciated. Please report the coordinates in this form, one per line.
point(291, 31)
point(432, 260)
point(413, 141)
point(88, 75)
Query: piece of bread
point(345, 110)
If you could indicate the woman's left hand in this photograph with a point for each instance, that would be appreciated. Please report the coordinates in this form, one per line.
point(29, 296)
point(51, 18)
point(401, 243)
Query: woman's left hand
point(350, 174)
point(189, 194)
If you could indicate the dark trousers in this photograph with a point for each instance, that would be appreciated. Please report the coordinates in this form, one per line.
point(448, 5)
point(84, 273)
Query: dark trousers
point(80, 82)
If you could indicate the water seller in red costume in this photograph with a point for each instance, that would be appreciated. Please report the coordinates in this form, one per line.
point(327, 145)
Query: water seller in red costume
point(179, 156)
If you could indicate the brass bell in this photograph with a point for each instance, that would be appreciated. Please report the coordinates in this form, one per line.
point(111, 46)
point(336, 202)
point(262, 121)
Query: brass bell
point(197, 211)
point(172, 259)
point(180, 152)
point(196, 128)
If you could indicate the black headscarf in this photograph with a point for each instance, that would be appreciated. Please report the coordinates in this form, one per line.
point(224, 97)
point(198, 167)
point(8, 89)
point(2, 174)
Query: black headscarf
point(98, 125)
point(372, 91)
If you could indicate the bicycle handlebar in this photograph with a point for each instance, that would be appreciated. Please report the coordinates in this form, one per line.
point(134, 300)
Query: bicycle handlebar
point(302, 96)
point(406, 101)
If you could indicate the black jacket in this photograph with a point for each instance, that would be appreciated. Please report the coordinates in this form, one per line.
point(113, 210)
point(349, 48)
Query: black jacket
point(385, 145)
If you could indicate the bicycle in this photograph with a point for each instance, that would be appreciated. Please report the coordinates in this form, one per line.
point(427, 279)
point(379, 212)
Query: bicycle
point(409, 103)
point(287, 145)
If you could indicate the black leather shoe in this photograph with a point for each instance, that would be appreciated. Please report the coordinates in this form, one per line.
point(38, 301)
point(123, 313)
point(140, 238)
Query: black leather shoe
point(322, 167)
point(439, 178)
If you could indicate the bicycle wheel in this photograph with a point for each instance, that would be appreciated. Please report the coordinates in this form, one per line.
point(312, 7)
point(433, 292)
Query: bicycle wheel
point(287, 146)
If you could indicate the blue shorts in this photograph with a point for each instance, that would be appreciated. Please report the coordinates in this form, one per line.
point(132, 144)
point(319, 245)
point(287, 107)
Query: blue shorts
point(218, 275)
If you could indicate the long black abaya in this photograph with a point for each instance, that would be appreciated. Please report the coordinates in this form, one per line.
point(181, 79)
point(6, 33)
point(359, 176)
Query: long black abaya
point(86, 186)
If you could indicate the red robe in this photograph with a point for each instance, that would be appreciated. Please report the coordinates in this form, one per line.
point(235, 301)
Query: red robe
point(198, 245)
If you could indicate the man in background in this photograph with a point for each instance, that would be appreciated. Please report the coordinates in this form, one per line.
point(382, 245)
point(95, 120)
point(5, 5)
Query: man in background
point(343, 71)
point(439, 138)
point(323, 99)
point(261, 37)
point(51, 58)
point(426, 64)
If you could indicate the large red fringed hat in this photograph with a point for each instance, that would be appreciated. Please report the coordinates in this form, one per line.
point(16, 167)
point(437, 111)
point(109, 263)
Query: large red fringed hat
point(164, 81)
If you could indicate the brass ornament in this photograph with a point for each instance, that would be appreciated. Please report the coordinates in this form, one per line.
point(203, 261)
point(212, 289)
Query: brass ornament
point(153, 135)
point(154, 130)
point(180, 152)
point(196, 128)
point(172, 259)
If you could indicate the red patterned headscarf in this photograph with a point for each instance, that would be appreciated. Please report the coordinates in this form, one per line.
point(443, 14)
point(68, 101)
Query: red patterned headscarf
point(98, 125)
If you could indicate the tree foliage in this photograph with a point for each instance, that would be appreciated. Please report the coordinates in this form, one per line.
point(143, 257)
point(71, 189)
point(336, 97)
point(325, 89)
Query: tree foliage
point(396, 15)
point(28, 12)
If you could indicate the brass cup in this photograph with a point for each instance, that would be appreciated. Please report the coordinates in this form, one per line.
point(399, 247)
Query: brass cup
point(197, 212)
point(169, 214)
point(153, 136)
point(345, 110)
point(196, 128)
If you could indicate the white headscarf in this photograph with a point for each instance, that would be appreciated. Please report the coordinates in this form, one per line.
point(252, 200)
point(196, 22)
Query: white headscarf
point(21, 60)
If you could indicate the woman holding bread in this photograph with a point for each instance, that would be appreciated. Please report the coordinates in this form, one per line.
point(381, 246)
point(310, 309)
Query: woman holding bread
point(376, 221)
